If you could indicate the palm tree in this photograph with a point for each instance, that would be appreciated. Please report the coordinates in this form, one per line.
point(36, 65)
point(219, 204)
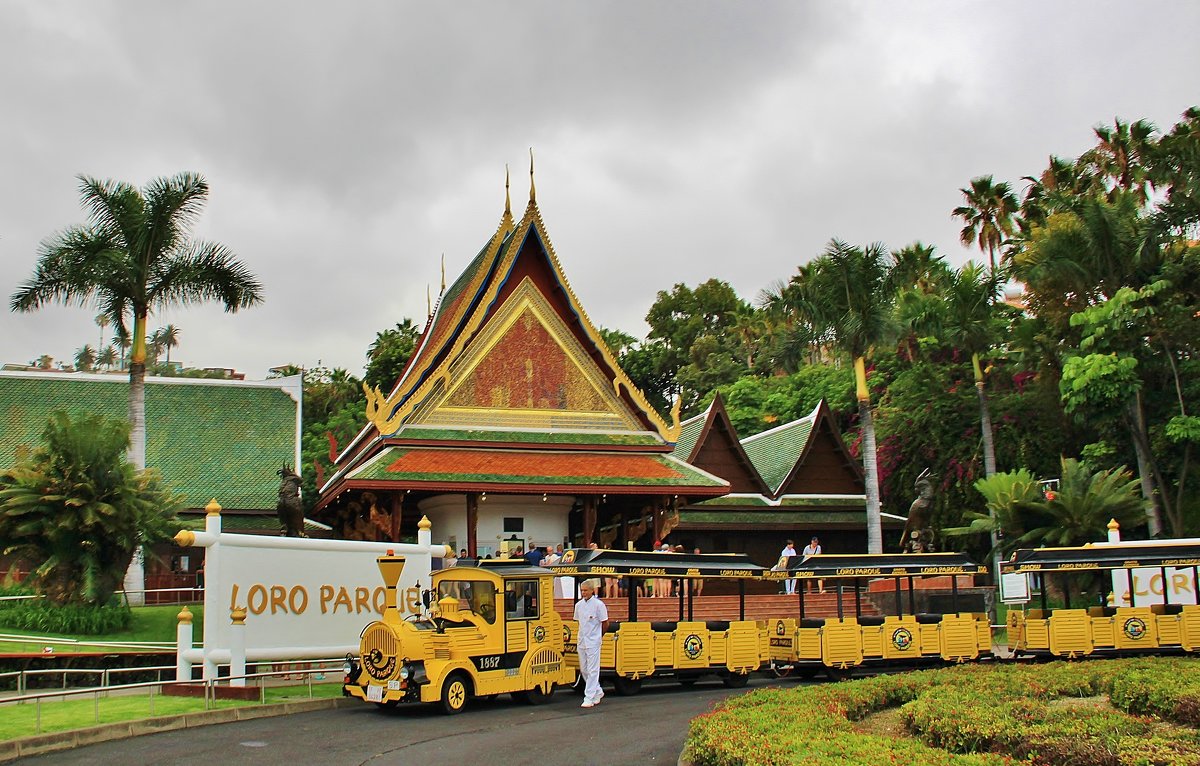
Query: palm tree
point(76, 511)
point(133, 257)
point(45, 362)
point(85, 358)
point(121, 338)
point(107, 357)
point(102, 321)
point(164, 339)
point(852, 293)
point(988, 214)
point(1121, 157)
point(971, 325)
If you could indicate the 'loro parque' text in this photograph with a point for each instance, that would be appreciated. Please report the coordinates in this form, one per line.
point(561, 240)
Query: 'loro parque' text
point(331, 599)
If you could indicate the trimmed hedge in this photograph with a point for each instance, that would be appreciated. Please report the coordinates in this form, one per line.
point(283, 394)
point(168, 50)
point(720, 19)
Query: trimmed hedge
point(967, 716)
point(43, 616)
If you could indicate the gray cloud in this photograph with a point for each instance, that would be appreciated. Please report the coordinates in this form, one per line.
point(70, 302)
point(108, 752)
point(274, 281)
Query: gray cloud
point(348, 146)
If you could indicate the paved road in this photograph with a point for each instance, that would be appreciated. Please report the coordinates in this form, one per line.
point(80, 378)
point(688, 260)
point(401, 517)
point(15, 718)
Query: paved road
point(645, 729)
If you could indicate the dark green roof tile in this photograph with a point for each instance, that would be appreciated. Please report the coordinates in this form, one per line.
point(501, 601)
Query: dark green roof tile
point(210, 439)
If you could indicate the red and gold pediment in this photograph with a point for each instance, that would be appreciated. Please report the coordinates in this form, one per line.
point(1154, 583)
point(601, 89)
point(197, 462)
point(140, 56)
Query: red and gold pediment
point(526, 370)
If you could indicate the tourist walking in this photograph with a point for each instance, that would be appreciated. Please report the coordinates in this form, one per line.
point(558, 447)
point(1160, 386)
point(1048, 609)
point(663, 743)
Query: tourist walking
point(814, 549)
point(592, 616)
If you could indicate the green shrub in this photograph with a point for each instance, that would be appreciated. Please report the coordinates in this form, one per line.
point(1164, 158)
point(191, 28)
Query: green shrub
point(975, 714)
point(45, 617)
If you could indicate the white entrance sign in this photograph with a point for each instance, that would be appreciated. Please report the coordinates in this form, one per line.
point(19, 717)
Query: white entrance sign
point(1148, 582)
point(304, 598)
point(1014, 588)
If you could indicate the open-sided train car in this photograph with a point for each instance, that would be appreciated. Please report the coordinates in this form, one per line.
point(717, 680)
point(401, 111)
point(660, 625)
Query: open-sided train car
point(1106, 628)
point(491, 630)
point(839, 644)
point(684, 649)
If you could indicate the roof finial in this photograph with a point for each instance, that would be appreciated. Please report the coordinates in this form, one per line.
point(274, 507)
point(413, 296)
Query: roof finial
point(428, 303)
point(532, 188)
point(507, 201)
point(443, 291)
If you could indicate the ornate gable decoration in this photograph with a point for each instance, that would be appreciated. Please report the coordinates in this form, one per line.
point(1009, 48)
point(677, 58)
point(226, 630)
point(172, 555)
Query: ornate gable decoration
point(525, 370)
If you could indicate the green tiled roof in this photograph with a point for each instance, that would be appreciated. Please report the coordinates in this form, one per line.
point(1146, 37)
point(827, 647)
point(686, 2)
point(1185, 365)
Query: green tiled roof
point(209, 440)
point(688, 434)
point(748, 519)
point(264, 522)
point(775, 452)
point(787, 501)
point(644, 439)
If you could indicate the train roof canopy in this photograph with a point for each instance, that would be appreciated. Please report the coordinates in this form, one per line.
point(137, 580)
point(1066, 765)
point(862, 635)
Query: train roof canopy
point(1128, 556)
point(585, 561)
point(883, 565)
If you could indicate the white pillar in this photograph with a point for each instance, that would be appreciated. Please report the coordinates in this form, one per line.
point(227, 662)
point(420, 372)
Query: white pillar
point(1114, 536)
point(237, 646)
point(212, 581)
point(183, 643)
point(135, 579)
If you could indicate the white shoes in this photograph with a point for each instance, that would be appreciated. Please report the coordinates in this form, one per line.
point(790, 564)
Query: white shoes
point(593, 703)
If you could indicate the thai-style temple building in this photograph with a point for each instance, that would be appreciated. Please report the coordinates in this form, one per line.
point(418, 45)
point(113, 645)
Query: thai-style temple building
point(513, 423)
point(794, 481)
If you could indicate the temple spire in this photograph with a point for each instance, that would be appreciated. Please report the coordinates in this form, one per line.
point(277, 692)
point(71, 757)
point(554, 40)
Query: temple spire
point(507, 199)
point(443, 290)
point(428, 304)
point(532, 188)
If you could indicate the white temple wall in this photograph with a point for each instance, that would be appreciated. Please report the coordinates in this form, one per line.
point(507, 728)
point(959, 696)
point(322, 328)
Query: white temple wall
point(543, 521)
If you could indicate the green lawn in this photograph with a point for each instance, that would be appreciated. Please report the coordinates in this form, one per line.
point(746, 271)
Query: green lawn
point(81, 711)
point(150, 623)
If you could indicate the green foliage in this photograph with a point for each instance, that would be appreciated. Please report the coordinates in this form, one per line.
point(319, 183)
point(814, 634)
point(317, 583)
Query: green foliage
point(979, 714)
point(1098, 382)
point(756, 403)
point(76, 510)
point(80, 619)
point(389, 353)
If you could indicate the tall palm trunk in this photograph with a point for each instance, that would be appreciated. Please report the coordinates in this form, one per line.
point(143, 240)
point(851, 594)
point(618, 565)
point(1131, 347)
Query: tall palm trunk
point(870, 462)
point(135, 573)
point(985, 420)
point(137, 394)
point(1141, 448)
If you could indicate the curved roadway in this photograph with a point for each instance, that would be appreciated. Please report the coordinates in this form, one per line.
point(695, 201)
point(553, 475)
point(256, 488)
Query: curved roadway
point(648, 728)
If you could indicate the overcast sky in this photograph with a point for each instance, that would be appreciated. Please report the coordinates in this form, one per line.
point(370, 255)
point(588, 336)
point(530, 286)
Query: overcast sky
point(348, 145)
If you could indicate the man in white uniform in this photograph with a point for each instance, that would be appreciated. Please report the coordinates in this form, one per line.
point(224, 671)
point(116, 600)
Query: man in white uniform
point(789, 550)
point(592, 616)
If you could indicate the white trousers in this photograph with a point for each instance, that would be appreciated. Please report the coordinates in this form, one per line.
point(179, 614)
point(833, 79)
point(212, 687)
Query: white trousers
point(789, 586)
point(589, 668)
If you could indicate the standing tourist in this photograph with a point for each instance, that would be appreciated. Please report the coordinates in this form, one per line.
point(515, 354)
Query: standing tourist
point(814, 549)
point(592, 616)
point(789, 550)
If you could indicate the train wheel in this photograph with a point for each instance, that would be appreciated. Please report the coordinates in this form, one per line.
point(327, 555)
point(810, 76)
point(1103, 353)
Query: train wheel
point(389, 705)
point(736, 680)
point(838, 674)
point(454, 694)
point(627, 687)
point(536, 695)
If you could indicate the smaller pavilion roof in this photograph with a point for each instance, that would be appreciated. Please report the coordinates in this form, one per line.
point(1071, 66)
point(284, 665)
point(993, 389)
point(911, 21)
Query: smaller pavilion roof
point(585, 561)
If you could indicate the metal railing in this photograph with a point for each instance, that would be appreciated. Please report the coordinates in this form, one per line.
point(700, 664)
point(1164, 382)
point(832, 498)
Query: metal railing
point(315, 670)
point(154, 646)
point(105, 675)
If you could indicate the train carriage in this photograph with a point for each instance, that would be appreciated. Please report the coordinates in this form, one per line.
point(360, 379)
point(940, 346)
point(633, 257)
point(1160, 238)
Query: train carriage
point(1110, 628)
point(684, 649)
point(839, 644)
point(489, 630)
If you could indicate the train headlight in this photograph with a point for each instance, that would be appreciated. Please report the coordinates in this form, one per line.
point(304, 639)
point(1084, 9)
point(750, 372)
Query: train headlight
point(405, 672)
point(348, 667)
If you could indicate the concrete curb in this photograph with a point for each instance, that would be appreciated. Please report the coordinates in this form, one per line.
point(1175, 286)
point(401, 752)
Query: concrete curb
point(65, 740)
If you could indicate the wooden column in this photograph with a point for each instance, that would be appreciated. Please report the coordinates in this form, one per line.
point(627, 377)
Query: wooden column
point(397, 513)
point(589, 520)
point(472, 525)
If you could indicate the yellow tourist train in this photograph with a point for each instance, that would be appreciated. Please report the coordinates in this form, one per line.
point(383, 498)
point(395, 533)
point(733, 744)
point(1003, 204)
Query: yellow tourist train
point(1122, 625)
point(491, 627)
point(685, 649)
point(839, 644)
point(493, 630)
